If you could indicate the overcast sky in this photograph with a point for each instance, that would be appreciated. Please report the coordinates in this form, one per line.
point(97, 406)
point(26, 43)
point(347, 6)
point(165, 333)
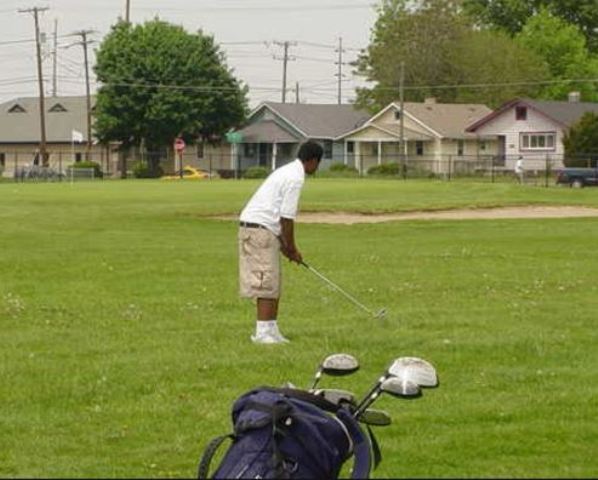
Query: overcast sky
point(247, 31)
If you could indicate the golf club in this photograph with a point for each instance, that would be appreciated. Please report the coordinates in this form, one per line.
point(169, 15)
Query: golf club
point(379, 314)
point(338, 397)
point(415, 369)
point(395, 386)
point(337, 364)
point(378, 418)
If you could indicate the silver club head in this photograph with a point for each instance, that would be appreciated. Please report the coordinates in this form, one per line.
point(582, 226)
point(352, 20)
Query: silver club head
point(399, 387)
point(377, 418)
point(415, 369)
point(336, 396)
point(340, 364)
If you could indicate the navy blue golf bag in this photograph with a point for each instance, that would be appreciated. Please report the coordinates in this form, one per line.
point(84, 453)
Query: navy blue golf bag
point(287, 434)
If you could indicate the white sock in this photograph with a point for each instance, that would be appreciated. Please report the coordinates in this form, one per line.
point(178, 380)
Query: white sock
point(265, 326)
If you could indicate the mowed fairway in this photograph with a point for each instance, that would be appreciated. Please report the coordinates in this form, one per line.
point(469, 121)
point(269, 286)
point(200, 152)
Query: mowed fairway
point(123, 343)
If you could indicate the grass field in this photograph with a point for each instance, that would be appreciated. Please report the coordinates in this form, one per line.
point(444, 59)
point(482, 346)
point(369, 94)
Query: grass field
point(124, 342)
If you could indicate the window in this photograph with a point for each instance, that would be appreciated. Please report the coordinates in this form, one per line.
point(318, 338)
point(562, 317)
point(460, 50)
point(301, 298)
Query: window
point(2, 159)
point(397, 114)
point(460, 147)
point(250, 150)
point(350, 147)
point(78, 157)
point(16, 108)
point(537, 141)
point(419, 147)
point(521, 113)
point(482, 146)
point(199, 149)
point(327, 149)
point(57, 108)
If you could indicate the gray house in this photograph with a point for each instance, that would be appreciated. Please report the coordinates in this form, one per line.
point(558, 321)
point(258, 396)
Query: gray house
point(274, 131)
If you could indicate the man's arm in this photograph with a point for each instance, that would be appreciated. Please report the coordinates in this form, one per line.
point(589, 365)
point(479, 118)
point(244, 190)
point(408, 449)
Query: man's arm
point(287, 240)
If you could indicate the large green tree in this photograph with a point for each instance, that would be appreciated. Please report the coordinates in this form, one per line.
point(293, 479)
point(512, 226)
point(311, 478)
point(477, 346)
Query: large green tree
point(563, 48)
point(581, 142)
point(444, 57)
point(512, 15)
point(159, 81)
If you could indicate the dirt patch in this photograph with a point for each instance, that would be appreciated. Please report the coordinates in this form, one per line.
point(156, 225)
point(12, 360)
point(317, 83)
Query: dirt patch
point(460, 214)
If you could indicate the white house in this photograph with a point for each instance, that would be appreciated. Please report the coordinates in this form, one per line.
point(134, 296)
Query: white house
point(532, 129)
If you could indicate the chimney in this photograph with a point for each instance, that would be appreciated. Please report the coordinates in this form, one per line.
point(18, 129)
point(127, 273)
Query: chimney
point(430, 100)
point(574, 97)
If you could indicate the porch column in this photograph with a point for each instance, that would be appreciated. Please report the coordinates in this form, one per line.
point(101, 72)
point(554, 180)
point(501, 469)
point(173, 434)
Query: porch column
point(274, 151)
point(345, 152)
point(379, 152)
point(357, 156)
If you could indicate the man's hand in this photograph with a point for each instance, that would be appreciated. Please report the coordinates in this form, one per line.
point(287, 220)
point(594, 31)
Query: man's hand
point(292, 254)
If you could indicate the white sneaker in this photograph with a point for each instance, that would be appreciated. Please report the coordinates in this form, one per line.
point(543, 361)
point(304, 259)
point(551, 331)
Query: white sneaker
point(269, 338)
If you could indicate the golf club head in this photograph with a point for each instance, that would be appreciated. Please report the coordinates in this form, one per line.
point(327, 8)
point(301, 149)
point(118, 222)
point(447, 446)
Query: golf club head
point(336, 396)
point(416, 370)
point(377, 418)
point(339, 364)
point(399, 387)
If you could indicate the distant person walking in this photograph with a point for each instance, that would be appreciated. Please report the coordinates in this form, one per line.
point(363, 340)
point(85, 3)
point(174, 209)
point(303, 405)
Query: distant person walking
point(267, 228)
point(519, 171)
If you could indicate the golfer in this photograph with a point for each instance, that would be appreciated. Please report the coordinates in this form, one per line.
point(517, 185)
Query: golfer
point(267, 228)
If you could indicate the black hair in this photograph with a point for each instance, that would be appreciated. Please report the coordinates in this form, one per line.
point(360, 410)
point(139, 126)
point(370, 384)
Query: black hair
point(309, 150)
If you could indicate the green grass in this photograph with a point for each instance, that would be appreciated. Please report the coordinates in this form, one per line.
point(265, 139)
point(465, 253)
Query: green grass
point(124, 343)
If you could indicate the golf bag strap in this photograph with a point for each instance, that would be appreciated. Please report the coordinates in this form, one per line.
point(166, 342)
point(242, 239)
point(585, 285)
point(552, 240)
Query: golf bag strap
point(361, 449)
point(308, 397)
point(208, 454)
point(375, 448)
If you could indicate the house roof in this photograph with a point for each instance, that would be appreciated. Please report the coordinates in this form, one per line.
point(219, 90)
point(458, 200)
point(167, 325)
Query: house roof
point(326, 121)
point(449, 120)
point(267, 131)
point(564, 113)
point(20, 119)
point(392, 130)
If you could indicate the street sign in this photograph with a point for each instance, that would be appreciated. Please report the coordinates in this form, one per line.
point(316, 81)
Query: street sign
point(234, 137)
point(179, 144)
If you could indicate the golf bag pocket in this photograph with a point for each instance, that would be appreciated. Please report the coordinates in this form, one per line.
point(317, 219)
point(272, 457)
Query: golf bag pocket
point(282, 434)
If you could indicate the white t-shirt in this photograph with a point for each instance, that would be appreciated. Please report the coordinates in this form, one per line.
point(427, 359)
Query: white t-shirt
point(519, 166)
point(277, 197)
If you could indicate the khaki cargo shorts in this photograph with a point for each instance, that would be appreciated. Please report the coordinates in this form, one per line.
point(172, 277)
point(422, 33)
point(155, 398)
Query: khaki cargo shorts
point(259, 263)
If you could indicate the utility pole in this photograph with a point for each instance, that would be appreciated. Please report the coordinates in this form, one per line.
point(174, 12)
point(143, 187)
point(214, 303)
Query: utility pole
point(402, 117)
point(340, 64)
point(286, 58)
point(128, 11)
point(40, 80)
point(84, 42)
point(296, 92)
point(55, 60)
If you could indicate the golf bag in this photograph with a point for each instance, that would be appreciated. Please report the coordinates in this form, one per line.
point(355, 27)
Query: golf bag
point(286, 433)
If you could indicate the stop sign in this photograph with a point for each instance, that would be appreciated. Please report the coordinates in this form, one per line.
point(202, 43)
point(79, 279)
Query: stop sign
point(179, 144)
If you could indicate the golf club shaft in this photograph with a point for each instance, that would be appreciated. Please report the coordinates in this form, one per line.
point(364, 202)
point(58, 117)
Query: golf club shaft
point(338, 289)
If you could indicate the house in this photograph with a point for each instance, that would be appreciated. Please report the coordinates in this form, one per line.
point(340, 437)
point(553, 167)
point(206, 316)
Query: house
point(430, 136)
point(274, 131)
point(532, 129)
point(66, 137)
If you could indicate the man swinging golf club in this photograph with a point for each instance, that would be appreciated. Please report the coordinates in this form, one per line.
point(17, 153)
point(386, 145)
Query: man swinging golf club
point(267, 228)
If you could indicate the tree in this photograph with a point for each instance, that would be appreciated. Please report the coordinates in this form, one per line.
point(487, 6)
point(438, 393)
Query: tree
point(581, 142)
point(159, 82)
point(442, 53)
point(512, 15)
point(563, 48)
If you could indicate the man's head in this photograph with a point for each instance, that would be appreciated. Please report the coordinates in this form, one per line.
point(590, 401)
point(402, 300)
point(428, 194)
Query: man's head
point(310, 153)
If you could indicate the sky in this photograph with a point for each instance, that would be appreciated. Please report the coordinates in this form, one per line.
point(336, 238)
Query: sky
point(250, 32)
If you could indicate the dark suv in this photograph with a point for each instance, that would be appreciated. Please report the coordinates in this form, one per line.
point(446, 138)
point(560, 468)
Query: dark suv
point(577, 177)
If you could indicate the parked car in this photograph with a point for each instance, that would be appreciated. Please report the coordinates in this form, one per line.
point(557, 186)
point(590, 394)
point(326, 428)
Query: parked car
point(577, 177)
point(189, 173)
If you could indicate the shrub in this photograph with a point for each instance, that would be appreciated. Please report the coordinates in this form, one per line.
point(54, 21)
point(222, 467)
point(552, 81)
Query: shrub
point(97, 169)
point(385, 169)
point(341, 167)
point(143, 170)
point(256, 172)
